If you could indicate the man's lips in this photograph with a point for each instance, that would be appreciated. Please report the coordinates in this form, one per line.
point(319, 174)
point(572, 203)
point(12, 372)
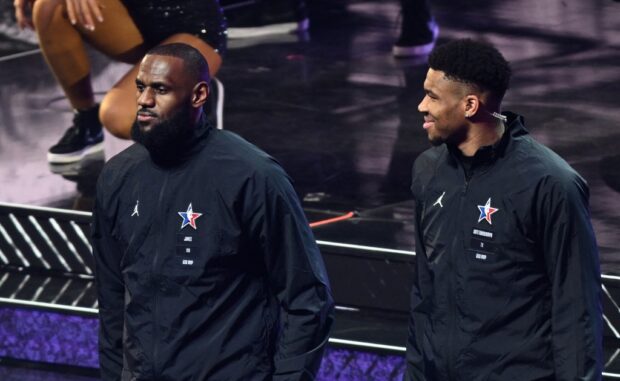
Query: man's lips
point(428, 123)
point(145, 117)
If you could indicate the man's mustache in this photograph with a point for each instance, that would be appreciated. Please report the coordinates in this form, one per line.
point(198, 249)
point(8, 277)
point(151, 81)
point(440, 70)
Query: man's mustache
point(145, 112)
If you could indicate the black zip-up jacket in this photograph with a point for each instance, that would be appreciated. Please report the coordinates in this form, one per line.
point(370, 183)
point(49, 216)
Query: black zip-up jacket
point(507, 283)
point(207, 269)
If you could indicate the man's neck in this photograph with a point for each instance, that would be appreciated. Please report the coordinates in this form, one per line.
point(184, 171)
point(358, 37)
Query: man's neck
point(481, 135)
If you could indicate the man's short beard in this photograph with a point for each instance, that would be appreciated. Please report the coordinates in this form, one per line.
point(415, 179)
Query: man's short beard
point(436, 141)
point(168, 138)
point(455, 138)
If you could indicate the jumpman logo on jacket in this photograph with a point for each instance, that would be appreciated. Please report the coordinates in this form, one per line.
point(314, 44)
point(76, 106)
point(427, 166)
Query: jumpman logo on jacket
point(135, 209)
point(438, 202)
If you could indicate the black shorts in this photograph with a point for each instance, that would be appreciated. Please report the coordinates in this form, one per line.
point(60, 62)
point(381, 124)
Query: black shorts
point(159, 19)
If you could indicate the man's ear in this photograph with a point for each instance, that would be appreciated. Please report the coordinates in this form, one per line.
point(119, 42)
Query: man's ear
point(200, 93)
point(472, 105)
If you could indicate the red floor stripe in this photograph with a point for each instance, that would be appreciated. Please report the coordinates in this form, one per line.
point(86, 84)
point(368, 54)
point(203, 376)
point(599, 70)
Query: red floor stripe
point(332, 220)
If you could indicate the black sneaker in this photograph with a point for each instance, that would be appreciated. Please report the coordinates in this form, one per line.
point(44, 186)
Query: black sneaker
point(83, 139)
point(416, 42)
point(268, 17)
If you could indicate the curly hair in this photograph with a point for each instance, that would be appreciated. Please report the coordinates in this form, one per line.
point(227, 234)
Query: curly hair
point(473, 62)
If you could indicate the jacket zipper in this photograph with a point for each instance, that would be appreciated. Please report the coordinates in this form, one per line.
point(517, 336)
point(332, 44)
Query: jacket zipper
point(155, 272)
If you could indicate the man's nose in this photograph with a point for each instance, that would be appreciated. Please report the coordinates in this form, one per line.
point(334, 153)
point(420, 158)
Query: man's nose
point(422, 106)
point(146, 99)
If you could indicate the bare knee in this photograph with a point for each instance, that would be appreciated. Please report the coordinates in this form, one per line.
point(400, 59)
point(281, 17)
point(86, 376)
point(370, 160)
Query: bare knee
point(116, 118)
point(45, 12)
point(180, 37)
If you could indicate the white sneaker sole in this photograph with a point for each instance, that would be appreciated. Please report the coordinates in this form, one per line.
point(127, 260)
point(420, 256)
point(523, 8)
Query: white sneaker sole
point(413, 51)
point(267, 30)
point(73, 157)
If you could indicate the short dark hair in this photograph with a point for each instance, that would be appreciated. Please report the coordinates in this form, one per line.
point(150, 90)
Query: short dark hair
point(473, 62)
point(195, 63)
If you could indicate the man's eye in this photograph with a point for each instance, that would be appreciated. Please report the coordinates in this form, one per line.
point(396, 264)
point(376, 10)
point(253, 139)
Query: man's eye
point(162, 90)
point(140, 88)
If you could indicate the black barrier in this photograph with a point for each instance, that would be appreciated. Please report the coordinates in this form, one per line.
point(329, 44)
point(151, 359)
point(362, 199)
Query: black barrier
point(46, 262)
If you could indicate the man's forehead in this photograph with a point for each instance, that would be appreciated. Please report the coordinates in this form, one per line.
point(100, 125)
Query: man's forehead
point(435, 77)
point(439, 81)
point(162, 67)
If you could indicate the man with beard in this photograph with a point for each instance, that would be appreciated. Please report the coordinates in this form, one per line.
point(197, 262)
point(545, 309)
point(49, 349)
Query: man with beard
point(507, 283)
point(206, 266)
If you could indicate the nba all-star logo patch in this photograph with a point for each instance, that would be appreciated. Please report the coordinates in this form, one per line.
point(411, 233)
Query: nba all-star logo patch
point(189, 217)
point(486, 211)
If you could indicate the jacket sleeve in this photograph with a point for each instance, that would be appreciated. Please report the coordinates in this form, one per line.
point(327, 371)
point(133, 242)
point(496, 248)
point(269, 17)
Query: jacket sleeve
point(297, 277)
point(418, 310)
point(414, 357)
point(415, 360)
point(571, 256)
point(110, 292)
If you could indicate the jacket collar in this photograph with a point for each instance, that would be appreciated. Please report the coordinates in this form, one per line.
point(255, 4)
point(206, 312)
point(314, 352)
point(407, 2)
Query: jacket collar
point(487, 155)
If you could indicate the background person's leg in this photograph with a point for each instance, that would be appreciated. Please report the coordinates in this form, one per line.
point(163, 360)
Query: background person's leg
point(418, 29)
point(63, 46)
